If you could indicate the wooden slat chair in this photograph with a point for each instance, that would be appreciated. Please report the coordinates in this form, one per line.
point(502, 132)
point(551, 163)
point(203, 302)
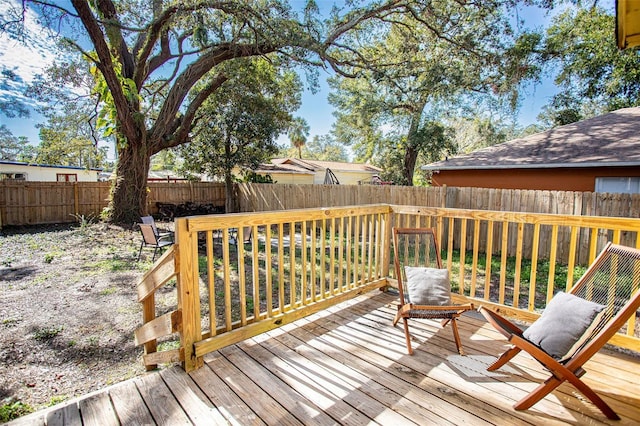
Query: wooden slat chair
point(423, 284)
point(600, 303)
point(150, 239)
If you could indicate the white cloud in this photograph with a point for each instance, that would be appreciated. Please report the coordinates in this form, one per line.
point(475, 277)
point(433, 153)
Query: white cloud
point(26, 57)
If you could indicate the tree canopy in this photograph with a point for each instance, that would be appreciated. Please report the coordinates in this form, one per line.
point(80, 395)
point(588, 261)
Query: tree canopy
point(149, 58)
point(593, 75)
point(241, 122)
point(421, 70)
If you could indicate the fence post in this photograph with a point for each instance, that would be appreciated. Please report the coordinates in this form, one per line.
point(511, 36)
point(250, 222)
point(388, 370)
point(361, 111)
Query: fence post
point(188, 293)
point(76, 199)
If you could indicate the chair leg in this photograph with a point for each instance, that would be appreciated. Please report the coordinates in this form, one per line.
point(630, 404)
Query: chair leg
point(140, 251)
point(456, 336)
point(407, 336)
point(553, 382)
point(504, 358)
point(397, 317)
point(155, 250)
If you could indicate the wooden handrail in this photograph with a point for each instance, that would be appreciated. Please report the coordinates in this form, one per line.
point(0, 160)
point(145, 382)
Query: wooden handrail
point(300, 261)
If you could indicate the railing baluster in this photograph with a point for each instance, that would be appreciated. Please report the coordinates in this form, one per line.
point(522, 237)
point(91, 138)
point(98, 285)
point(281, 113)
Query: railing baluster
point(489, 254)
point(504, 252)
point(474, 262)
point(226, 265)
point(552, 262)
point(211, 280)
point(304, 275)
point(269, 271)
point(534, 267)
point(518, 271)
point(463, 251)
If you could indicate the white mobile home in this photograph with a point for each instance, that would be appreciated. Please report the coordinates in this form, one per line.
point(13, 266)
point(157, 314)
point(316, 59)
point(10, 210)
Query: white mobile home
point(16, 171)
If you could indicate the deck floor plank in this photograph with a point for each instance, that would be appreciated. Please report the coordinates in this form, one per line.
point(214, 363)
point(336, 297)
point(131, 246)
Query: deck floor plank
point(64, 414)
point(389, 394)
point(260, 398)
point(335, 384)
point(230, 405)
point(160, 400)
point(193, 401)
point(348, 365)
point(302, 408)
point(421, 389)
point(97, 410)
point(129, 405)
point(338, 410)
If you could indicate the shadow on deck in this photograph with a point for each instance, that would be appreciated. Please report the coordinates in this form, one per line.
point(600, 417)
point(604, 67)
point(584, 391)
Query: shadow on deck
point(348, 365)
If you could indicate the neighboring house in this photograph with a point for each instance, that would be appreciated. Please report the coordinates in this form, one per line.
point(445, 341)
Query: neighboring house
point(601, 154)
point(16, 171)
point(297, 171)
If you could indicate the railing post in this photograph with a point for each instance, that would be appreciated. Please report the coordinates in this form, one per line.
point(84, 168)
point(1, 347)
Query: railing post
point(386, 241)
point(188, 293)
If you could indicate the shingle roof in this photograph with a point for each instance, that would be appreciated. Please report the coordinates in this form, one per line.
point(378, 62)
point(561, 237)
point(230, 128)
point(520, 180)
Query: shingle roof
point(316, 165)
point(609, 140)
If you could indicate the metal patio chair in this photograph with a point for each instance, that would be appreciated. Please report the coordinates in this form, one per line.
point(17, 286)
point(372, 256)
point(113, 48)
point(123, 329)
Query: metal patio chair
point(150, 239)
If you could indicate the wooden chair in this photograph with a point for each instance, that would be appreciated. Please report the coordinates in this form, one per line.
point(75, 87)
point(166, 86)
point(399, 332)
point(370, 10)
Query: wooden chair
point(611, 284)
point(424, 287)
point(150, 239)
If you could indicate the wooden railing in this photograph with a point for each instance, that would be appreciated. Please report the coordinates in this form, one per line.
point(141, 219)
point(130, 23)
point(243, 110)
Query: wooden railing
point(516, 262)
point(239, 275)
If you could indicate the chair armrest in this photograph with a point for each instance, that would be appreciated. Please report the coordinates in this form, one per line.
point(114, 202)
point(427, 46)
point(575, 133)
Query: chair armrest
point(503, 325)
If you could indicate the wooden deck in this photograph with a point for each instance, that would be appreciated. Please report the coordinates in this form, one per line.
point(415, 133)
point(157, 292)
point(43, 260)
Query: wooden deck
point(348, 365)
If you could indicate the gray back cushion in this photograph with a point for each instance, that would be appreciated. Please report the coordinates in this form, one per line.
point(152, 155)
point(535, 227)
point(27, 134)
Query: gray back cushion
point(564, 324)
point(428, 286)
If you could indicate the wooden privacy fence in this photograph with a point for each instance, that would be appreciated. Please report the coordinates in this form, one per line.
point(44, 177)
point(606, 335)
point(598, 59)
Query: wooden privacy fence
point(297, 262)
point(27, 203)
point(266, 197)
point(30, 203)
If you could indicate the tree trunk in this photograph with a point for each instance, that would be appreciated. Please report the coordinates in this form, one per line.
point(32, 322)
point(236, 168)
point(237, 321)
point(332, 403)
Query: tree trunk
point(129, 189)
point(411, 153)
point(229, 203)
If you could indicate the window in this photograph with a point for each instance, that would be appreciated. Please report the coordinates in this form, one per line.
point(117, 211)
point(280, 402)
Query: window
point(66, 177)
point(13, 176)
point(626, 185)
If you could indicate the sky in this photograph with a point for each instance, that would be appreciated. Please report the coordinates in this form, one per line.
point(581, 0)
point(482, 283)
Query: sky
point(315, 108)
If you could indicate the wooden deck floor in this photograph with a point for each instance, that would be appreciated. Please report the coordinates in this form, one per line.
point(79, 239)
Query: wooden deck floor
point(348, 365)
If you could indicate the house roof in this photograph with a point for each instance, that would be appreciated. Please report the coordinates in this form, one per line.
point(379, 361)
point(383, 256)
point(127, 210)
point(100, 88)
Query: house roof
point(282, 168)
point(53, 166)
point(610, 140)
point(316, 165)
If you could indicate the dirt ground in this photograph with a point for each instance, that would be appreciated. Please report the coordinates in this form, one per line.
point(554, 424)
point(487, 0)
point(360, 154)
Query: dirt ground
point(68, 310)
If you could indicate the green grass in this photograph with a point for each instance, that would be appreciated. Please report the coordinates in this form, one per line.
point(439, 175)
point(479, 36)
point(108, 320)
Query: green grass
point(13, 410)
point(108, 291)
point(47, 333)
point(113, 265)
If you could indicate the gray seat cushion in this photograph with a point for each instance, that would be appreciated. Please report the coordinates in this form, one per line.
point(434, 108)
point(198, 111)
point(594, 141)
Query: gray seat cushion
point(428, 286)
point(564, 325)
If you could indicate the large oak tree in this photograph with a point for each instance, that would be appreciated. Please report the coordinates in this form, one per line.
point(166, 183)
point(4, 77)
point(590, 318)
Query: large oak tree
point(148, 58)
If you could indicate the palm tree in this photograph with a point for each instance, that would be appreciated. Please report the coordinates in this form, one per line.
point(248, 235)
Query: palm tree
point(298, 132)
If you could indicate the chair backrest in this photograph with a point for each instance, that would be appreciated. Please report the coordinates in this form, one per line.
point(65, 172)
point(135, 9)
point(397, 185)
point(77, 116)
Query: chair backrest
point(148, 220)
point(414, 247)
point(148, 234)
point(613, 280)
